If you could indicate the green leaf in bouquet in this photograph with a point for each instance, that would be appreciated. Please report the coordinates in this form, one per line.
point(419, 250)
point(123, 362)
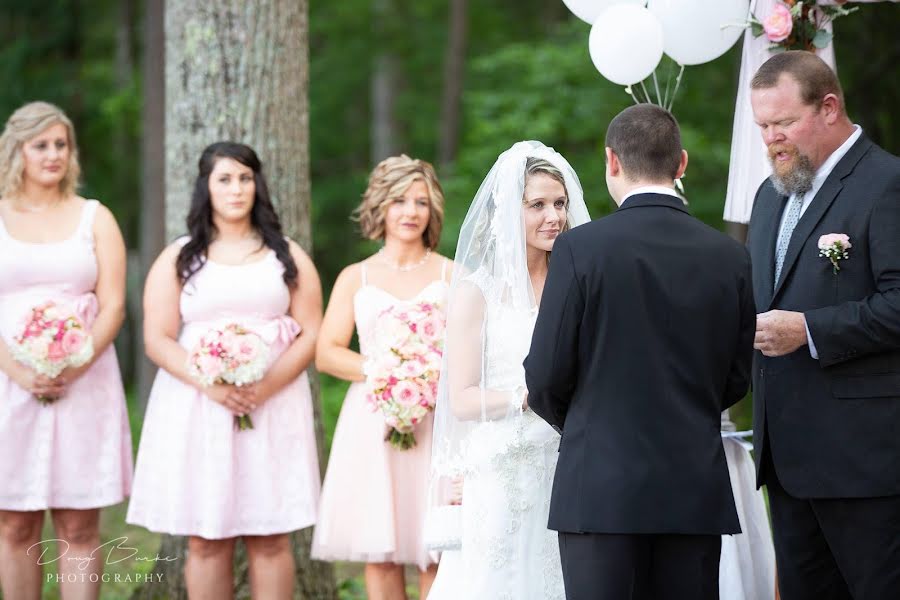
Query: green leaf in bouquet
point(822, 38)
point(756, 28)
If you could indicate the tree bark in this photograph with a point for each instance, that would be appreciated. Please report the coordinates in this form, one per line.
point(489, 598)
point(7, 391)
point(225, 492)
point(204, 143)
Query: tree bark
point(454, 68)
point(385, 81)
point(239, 70)
point(152, 222)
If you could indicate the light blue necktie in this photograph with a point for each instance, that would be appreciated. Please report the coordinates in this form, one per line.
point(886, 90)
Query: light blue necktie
point(784, 237)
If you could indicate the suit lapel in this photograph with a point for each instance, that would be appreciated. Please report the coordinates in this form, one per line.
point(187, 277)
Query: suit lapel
point(769, 240)
point(819, 206)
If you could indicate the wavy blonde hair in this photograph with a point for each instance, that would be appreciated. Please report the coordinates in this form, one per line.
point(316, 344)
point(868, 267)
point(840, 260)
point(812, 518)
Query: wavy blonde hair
point(390, 179)
point(26, 123)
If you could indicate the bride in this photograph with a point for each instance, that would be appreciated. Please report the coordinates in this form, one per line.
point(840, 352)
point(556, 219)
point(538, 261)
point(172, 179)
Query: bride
point(486, 441)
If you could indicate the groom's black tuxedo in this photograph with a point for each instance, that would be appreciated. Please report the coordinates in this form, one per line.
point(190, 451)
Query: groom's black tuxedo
point(827, 430)
point(644, 335)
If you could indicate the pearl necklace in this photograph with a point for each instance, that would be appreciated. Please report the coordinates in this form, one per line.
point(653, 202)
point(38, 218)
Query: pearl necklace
point(404, 268)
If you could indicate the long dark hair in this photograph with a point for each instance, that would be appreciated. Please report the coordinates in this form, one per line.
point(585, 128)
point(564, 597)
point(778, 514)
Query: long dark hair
point(200, 218)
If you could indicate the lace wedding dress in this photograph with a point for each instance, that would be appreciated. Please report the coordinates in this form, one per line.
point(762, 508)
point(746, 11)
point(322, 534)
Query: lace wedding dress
point(505, 456)
point(507, 551)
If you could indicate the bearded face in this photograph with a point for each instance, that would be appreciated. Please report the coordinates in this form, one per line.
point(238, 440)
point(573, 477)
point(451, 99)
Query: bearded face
point(792, 171)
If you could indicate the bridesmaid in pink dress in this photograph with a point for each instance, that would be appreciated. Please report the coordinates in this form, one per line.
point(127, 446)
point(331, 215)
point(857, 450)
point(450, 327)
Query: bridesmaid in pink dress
point(196, 475)
point(73, 455)
point(374, 497)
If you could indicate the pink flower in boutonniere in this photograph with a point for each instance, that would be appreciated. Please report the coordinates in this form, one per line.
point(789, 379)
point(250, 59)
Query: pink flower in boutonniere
point(834, 247)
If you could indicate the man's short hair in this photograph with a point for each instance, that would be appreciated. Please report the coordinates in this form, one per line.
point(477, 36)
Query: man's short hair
point(647, 142)
point(815, 77)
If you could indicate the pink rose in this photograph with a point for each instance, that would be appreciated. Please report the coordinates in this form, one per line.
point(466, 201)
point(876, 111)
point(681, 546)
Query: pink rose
point(412, 369)
point(55, 351)
point(246, 349)
point(406, 393)
point(229, 341)
point(830, 239)
point(779, 24)
point(431, 329)
point(73, 340)
point(209, 366)
point(426, 394)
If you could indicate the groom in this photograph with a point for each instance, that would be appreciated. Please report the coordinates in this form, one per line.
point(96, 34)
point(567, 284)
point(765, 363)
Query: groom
point(644, 335)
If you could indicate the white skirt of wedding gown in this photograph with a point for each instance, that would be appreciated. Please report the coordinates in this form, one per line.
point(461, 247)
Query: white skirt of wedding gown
point(746, 568)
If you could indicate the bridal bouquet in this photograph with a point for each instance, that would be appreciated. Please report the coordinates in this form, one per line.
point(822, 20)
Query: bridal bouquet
point(796, 25)
point(403, 373)
point(232, 355)
point(51, 340)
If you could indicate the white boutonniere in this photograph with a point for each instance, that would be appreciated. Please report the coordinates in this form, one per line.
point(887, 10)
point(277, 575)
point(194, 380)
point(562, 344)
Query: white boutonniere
point(834, 247)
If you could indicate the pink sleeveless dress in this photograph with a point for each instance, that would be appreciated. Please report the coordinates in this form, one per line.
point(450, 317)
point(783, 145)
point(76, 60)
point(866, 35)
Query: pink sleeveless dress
point(75, 452)
point(375, 497)
point(195, 474)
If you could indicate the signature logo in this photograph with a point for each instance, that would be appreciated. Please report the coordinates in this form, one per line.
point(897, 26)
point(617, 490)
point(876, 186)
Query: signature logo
point(112, 552)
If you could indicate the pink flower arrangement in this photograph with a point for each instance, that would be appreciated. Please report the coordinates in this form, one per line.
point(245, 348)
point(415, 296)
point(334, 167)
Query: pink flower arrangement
point(834, 247)
point(231, 355)
point(779, 24)
point(794, 25)
point(51, 340)
point(402, 376)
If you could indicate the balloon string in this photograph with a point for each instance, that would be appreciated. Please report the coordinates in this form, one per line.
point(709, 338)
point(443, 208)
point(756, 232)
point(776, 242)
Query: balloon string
point(668, 83)
point(659, 100)
point(677, 84)
point(646, 93)
point(630, 92)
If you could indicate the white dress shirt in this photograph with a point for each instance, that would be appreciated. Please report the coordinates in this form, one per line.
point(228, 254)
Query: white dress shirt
point(651, 189)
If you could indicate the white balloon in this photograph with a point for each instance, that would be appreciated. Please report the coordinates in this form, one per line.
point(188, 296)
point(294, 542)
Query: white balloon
point(698, 31)
point(626, 43)
point(589, 10)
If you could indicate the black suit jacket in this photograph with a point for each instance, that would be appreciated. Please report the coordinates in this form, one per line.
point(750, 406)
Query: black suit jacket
point(644, 335)
point(832, 425)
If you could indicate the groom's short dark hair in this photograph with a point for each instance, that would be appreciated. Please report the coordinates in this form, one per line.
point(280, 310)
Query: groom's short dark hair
point(647, 141)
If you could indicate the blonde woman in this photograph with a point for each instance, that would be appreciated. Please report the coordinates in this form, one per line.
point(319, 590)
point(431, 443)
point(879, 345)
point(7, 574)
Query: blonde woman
point(72, 455)
point(374, 496)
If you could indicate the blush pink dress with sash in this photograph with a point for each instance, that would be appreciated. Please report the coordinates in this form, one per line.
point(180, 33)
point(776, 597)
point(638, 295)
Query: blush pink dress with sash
point(75, 452)
point(195, 474)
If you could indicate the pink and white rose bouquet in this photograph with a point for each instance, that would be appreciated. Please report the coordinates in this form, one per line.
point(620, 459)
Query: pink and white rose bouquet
point(52, 339)
point(232, 355)
point(402, 375)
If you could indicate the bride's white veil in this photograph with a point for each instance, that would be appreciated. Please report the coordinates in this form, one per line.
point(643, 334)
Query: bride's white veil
point(490, 273)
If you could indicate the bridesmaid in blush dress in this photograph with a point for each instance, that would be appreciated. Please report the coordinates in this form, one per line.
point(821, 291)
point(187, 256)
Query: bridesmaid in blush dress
point(73, 455)
point(374, 497)
point(196, 475)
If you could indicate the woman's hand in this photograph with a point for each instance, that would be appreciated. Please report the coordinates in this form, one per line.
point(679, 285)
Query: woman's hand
point(257, 393)
point(69, 375)
point(40, 386)
point(236, 399)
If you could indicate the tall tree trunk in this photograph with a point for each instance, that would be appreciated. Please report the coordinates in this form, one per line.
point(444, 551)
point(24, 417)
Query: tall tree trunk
point(152, 220)
point(127, 341)
point(385, 80)
point(454, 66)
point(239, 70)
